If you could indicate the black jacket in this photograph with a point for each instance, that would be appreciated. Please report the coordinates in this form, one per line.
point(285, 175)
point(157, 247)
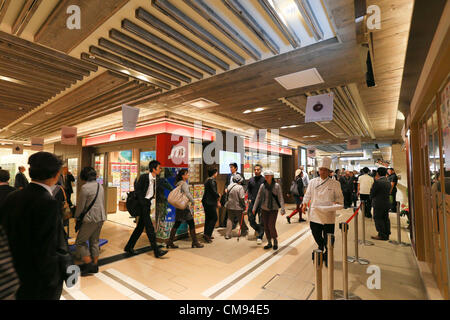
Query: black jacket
point(380, 193)
point(21, 181)
point(211, 195)
point(346, 184)
point(4, 191)
point(37, 241)
point(253, 186)
point(67, 184)
point(141, 187)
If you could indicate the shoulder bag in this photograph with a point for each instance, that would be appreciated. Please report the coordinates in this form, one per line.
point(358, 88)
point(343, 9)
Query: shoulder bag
point(178, 199)
point(83, 214)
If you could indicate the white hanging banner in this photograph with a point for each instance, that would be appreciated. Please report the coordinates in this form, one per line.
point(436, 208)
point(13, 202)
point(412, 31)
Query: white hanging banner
point(311, 152)
point(17, 148)
point(37, 144)
point(130, 117)
point(354, 143)
point(319, 108)
point(69, 136)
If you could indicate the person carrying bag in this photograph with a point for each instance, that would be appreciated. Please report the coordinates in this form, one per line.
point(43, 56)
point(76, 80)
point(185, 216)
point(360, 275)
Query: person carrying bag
point(83, 214)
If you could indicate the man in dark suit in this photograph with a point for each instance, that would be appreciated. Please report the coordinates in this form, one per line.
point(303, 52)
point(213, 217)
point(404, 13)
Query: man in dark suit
point(379, 195)
point(35, 232)
point(5, 188)
point(146, 191)
point(66, 181)
point(21, 182)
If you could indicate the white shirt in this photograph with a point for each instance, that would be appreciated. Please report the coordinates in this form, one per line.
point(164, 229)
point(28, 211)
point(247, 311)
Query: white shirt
point(151, 186)
point(365, 184)
point(48, 188)
point(323, 193)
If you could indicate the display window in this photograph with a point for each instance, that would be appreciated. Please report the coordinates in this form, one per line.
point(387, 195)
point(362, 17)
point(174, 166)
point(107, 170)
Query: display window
point(123, 171)
point(267, 161)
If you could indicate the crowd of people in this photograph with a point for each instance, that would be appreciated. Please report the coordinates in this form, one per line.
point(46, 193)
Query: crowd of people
point(33, 243)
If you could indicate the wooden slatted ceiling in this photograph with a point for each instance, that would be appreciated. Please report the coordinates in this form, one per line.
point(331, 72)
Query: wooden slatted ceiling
point(31, 74)
point(97, 97)
point(54, 33)
point(25, 15)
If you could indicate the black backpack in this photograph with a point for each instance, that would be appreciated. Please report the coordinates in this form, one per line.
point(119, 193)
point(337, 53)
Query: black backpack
point(132, 204)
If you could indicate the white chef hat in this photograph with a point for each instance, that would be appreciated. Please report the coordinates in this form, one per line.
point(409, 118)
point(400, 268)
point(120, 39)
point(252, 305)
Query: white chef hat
point(326, 163)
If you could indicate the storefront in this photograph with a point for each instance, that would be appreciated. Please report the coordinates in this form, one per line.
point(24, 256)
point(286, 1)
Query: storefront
point(121, 157)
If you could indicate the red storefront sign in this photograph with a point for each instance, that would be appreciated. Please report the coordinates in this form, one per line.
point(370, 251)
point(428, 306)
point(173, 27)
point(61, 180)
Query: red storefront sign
point(172, 151)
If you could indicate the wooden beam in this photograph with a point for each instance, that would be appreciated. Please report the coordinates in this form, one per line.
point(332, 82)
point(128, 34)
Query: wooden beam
point(52, 54)
point(310, 18)
point(252, 25)
point(114, 67)
point(25, 15)
point(54, 34)
point(155, 76)
point(23, 88)
point(36, 81)
point(143, 60)
point(4, 4)
point(153, 21)
point(190, 25)
point(158, 42)
point(209, 14)
point(285, 29)
point(139, 46)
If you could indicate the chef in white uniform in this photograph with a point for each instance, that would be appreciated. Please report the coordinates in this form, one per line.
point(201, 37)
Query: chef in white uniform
point(322, 191)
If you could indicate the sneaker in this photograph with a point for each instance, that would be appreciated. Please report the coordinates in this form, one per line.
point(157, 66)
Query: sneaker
point(258, 241)
point(227, 237)
point(288, 219)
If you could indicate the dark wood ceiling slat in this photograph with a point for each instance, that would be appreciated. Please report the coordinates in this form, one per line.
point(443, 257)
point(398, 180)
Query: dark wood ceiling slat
point(35, 62)
point(57, 57)
point(39, 92)
point(4, 4)
point(240, 12)
point(143, 60)
point(276, 18)
point(157, 77)
point(21, 97)
point(27, 12)
point(22, 103)
point(50, 85)
point(154, 22)
point(190, 25)
point(212, 17)
point(151, 38)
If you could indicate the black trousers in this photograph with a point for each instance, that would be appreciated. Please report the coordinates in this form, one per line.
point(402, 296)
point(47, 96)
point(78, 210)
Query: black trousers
point(367, 204)
point(394, 201)
point(252, 220)
point(319, 232)
point(347, 199)
point(144, 222)
point(39, 292)
point(210, 219)
point(382, 222)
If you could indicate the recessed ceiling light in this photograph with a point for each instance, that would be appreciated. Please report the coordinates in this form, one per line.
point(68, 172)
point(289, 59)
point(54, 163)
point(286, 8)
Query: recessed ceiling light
point(144, 78)
point(258, 109)
point(247, 111)
point(27, 124)
point(126, 71)
point(300, 79)
point(48, 113)
point(285, 127)
point(200, 103)
point(293, 126)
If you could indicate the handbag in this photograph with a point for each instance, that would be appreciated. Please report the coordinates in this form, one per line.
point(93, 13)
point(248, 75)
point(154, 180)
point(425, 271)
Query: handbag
point(294, 188)
point(83, 214)
point(67, 211)
point(178, 199)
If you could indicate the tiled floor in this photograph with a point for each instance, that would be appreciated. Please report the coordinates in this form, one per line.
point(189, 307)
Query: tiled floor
point(228, 269)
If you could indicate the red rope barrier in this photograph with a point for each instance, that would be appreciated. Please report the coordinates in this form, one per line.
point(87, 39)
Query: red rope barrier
point(356, 212)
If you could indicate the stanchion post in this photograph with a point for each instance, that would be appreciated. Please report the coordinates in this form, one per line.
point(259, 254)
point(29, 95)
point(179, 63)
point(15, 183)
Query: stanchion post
point(318, 263)
point(356, 258)
point(330, 258)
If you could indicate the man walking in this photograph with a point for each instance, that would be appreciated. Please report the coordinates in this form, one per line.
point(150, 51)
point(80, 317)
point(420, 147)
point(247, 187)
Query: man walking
point(380, 201)
point(146, 191)
point(322, 191)
point(347, 188)
point(35, 232)
point(254, 184)
point(21, 182)
point(66, 181)
point(393, 179)
point(365, 183)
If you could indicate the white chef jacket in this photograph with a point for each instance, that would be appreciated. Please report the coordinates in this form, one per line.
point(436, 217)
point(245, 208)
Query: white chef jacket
point(323, 193)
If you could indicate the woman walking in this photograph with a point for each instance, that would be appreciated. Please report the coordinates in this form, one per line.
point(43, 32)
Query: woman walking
point(298, 196)
point(210, 203)
point(91, 210)
point(184, 214)
point(270, 197)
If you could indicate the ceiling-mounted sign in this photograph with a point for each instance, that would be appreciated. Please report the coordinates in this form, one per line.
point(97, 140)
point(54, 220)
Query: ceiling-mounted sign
point(354, 143)
point(37, 144)
point(17, 148)
point(319, 108)
point(311, 152)
point(130, 117)
point(69, 136)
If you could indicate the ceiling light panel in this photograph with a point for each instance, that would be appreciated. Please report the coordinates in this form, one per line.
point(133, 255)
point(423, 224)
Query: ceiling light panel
point(200, 103)
point(300, 79)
